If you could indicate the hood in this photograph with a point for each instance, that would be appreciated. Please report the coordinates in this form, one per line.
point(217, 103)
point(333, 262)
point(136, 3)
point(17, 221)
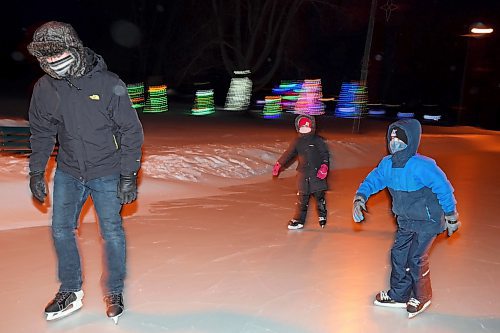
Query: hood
point(413, 131)
point(312, 121)
point(53, 38)
point(94, 61)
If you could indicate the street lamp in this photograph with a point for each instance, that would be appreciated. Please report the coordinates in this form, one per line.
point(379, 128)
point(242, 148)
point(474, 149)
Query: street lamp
point(480, 30)
point(476, 30)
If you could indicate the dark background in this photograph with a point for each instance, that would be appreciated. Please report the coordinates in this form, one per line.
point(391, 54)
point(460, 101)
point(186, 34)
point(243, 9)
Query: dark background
point(418, 57)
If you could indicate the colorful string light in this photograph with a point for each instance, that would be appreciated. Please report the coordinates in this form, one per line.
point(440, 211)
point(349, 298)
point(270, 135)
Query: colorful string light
point(240, 91)
point(157, 99)
point(352, 100)
point(308, 101)
point(204, 103)
point(272, 107)
point(289, 91)
point(136, 94)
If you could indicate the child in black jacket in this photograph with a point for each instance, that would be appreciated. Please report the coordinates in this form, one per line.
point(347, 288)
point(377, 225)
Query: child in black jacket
point(313, 158)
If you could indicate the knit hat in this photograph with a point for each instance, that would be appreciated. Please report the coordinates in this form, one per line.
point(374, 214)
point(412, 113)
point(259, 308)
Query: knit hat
point(398, 132)
point(54, 38)
point(304, 124)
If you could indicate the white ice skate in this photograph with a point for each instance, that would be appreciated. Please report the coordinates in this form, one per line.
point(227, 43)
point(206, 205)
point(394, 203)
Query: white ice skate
point(64, 304)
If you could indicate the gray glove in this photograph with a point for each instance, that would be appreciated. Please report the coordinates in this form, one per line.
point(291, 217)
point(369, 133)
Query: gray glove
point(127, 188)
point(37, 185)
point(452, 223)
point(359, 205)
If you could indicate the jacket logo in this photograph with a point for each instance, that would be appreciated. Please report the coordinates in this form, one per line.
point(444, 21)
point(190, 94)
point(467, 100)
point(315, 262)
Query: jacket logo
point(94, 97)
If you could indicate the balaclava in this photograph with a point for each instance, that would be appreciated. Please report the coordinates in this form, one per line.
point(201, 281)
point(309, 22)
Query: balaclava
point(399, 140)
point(54, 38)
point(403, 139)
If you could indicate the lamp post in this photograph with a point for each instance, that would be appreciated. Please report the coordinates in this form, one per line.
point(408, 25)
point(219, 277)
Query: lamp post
point(365, 61)
point(476, 30)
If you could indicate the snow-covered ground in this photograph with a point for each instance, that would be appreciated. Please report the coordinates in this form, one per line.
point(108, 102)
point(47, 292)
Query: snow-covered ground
point(208, 248)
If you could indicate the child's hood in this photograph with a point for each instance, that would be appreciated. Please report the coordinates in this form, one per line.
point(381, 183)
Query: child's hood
point(413, 131)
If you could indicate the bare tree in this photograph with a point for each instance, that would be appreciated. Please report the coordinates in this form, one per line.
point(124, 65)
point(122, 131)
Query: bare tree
point(252, 34)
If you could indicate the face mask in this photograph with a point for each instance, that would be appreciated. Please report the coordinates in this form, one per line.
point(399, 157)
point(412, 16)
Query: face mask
point(396, 145)
point(62, 66)
point(304, 130)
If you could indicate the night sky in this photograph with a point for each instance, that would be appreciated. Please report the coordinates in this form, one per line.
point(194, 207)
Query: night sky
point(417, 54)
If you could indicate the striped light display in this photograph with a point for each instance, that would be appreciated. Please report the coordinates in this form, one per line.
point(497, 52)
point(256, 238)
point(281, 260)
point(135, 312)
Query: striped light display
point(136, 94)
point(352, 100)
point(204, 103)
point(309, 98)
point(157, 99)
point(272, 107)
point(240, 91)
point(289, 91)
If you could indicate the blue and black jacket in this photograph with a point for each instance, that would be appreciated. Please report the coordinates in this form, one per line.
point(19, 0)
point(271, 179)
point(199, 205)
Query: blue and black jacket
point(421, 193)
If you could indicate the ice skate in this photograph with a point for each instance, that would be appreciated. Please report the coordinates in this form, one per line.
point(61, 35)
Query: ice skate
point(322, 222)
point(64, 304)
point(114, 306)
point(414, 307)
point(383, 299)
point(295, 224)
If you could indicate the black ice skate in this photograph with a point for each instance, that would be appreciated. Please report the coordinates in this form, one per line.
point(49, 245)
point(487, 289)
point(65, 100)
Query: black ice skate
point(322, 222)
point(295, 224)
point(414, 307)
point(64, 304)
point(383, 299)
point(114, 306)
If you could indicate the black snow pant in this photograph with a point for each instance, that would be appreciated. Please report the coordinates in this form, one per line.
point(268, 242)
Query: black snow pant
point(410, 275)
point(303, 204)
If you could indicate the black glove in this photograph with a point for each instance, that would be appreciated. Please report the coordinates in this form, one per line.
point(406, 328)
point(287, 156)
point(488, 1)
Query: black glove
point(452, 223)
point(37, 185)
point(127, 188)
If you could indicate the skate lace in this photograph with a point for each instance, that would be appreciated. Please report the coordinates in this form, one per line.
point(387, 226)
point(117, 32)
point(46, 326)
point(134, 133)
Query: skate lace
point(414, 302)
point(61, 296)
point(384, 296)
point(113, 299)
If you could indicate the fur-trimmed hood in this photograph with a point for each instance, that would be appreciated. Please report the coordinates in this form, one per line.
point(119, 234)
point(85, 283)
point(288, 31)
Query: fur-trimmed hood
point(53, 38)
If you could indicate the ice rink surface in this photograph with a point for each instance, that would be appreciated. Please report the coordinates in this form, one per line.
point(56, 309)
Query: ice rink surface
point(223, 261)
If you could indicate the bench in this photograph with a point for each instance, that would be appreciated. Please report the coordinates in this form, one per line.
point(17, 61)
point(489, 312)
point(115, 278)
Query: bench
point(15, 140)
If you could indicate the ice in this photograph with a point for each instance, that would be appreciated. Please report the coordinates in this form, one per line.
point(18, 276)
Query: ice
point(209, 251)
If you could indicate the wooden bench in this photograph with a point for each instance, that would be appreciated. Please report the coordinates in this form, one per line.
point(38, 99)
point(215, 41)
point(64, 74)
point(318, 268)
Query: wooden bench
point(15, 140)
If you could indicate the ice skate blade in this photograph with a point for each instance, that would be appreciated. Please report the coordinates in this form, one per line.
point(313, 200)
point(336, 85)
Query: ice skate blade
point(115, 318)
point(66, 312)
point(390, 305)
point(298, 227)
point(426, 305)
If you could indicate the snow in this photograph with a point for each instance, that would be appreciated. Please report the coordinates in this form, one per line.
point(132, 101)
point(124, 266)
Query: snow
point(208, 248)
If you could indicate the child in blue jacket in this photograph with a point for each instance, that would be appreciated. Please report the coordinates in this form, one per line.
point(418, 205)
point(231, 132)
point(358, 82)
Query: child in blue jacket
point(424, 206)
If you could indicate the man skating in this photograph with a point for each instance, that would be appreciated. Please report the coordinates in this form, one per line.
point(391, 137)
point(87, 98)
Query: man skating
point(88, 110)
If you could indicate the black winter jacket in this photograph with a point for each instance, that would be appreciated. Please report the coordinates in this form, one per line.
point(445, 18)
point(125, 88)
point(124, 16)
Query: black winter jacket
point(311, 151)
point(98, 131)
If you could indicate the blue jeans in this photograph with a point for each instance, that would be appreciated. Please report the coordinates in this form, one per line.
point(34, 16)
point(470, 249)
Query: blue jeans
point(70, 194)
